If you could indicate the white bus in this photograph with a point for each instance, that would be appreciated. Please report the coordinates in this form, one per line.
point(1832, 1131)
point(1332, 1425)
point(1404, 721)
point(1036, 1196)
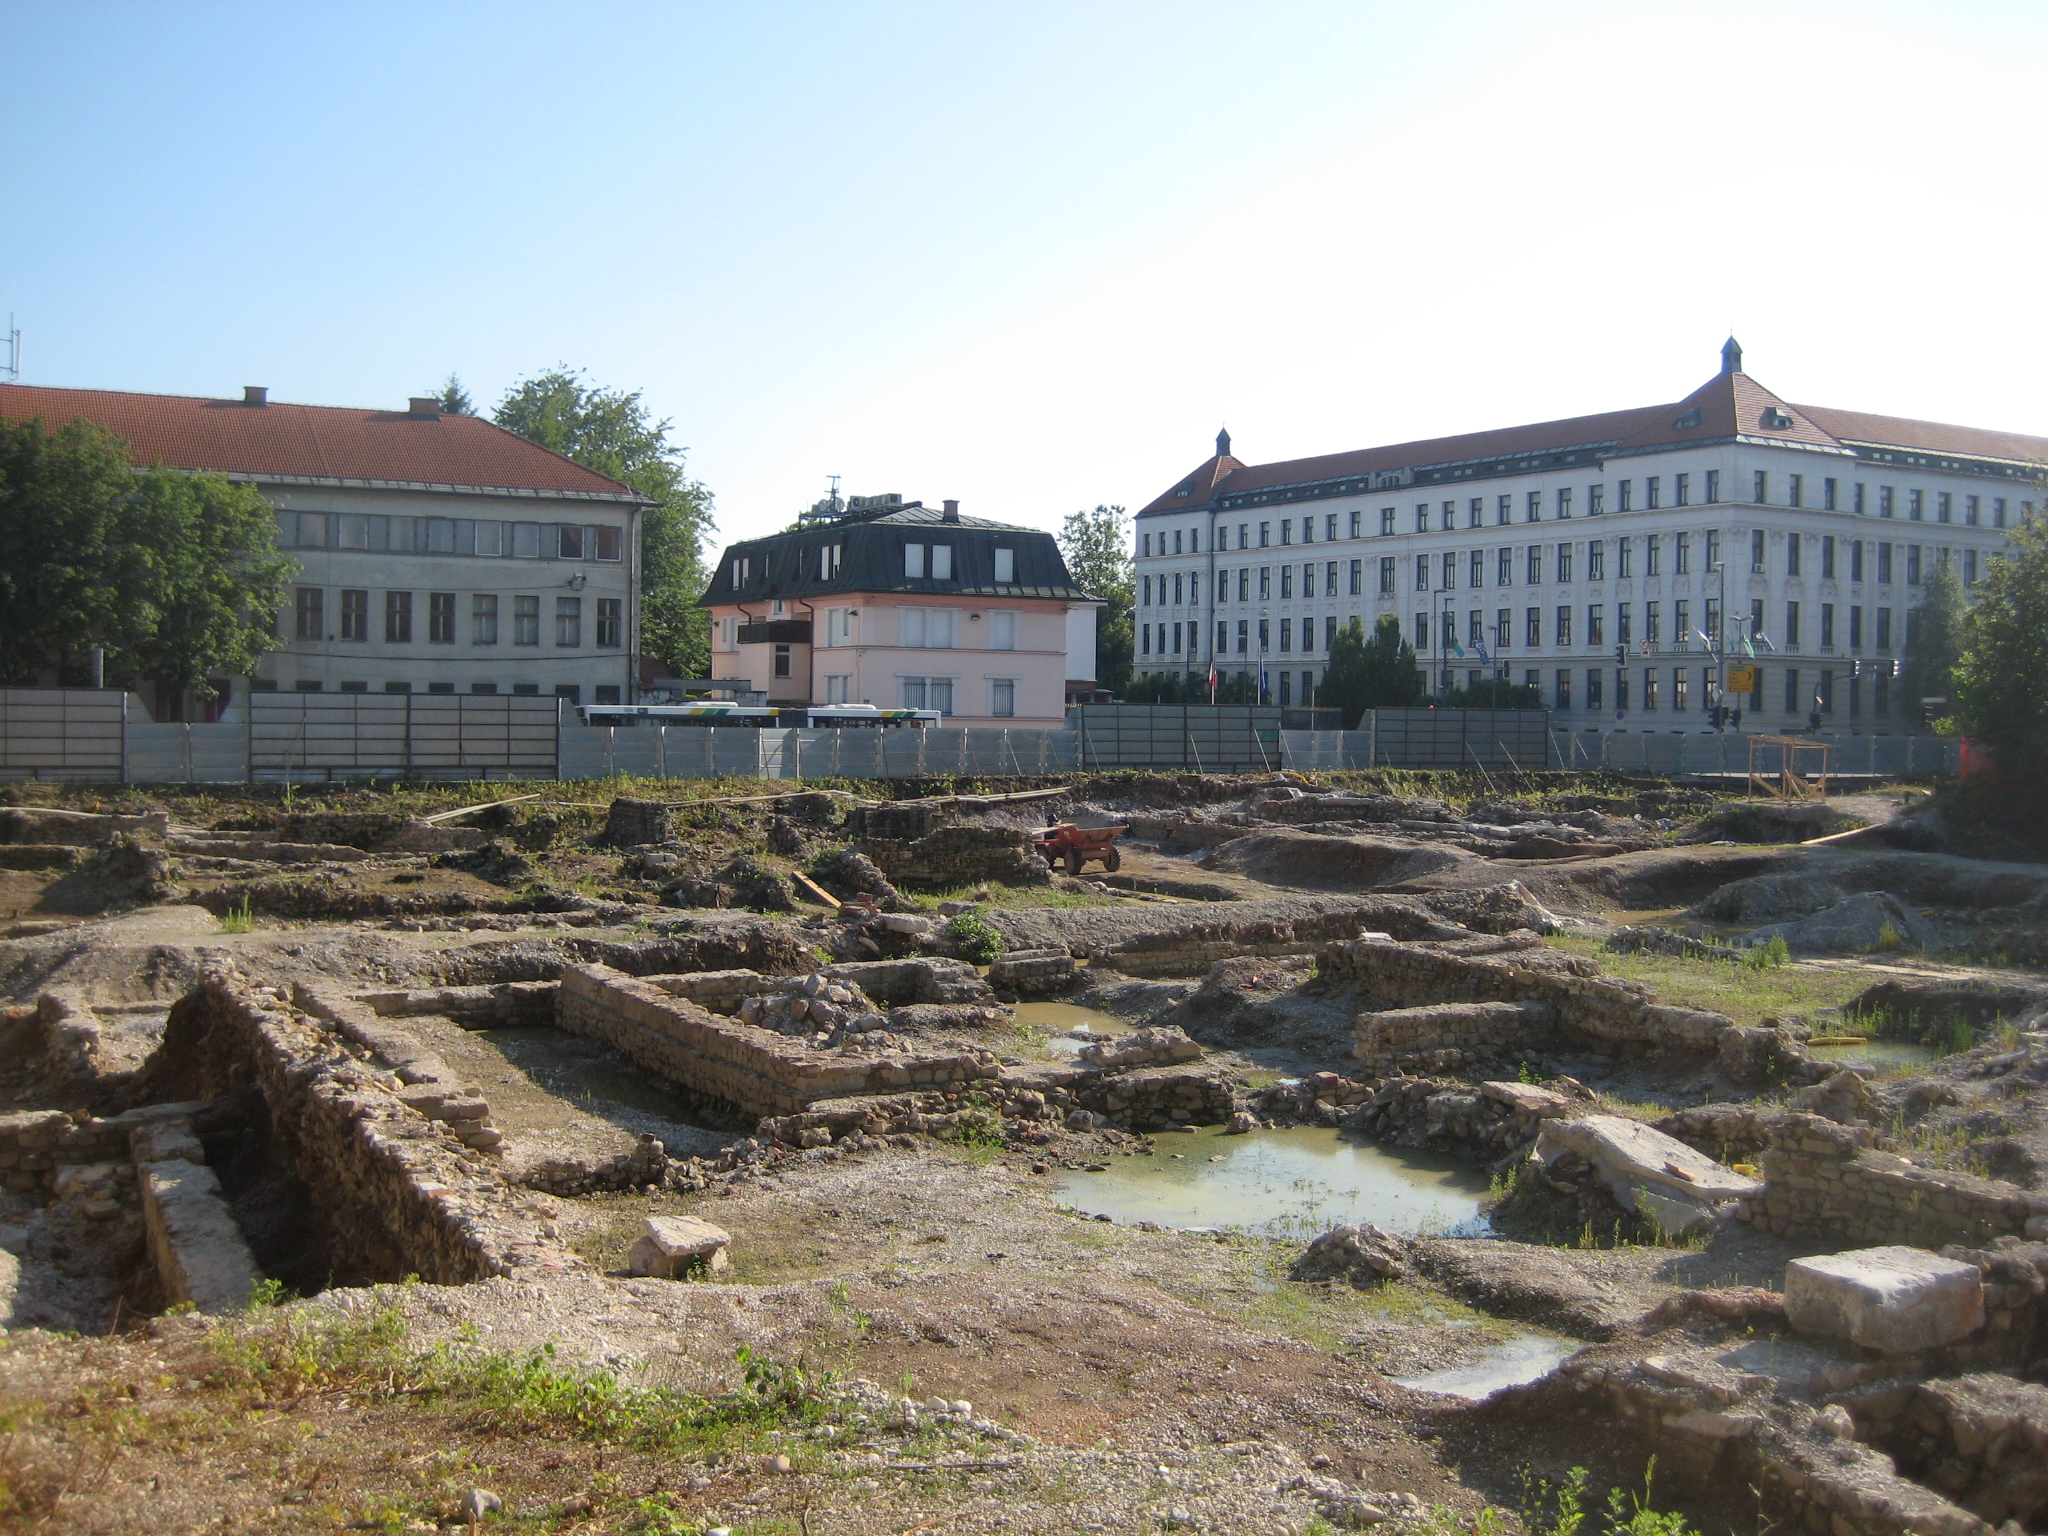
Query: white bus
point(702, 712)
point(821, 715)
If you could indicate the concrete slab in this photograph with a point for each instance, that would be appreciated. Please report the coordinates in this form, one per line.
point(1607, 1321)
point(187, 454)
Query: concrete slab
point(199, 1251)
point(673, 1245)
point(1649, 1172)
point(1895, 1300)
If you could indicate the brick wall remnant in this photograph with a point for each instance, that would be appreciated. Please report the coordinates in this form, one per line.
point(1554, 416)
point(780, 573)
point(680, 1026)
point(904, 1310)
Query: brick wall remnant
point(1032, 972)
point(924, 843)
point(426, 1082)
point(754, 1071)
point(1444, 1036)
point(502, 1005)
point(396, 1193)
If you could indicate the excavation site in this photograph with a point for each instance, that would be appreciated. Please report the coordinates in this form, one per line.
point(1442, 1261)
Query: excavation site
point(1274, 1153)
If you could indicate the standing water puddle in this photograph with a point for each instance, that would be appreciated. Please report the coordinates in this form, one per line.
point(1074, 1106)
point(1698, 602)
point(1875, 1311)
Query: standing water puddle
point(1297, 1182)
point(1057, 1018)
point(1523, 1358)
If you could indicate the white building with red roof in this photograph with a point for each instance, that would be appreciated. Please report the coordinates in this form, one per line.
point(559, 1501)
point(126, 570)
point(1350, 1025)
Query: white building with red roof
point(1612, 562)
point(436, 553)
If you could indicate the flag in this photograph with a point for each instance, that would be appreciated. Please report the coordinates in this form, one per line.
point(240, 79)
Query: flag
point(1262, 677)
point(1747, 648)
point(1212, 680)
point(1479, 650)
point(1456, 649)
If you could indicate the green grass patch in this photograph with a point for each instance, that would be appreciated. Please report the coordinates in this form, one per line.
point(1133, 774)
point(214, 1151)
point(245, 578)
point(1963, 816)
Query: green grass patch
point(1745, 994)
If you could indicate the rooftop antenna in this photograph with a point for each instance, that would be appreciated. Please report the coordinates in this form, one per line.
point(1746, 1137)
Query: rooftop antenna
point(12, 367)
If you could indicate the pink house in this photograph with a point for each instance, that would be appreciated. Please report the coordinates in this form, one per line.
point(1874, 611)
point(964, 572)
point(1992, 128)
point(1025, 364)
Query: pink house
point(894, 604)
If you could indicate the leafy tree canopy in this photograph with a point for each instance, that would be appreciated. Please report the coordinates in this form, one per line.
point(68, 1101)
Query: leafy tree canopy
point(1098, 554)
point(612, 432)
point(1378, 673)
point(177, 576)
point(2000, 681)
point(1495, 693)
point(1935, 636)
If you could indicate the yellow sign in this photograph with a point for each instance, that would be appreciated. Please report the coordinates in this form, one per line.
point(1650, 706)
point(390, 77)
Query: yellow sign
point(1741, 678)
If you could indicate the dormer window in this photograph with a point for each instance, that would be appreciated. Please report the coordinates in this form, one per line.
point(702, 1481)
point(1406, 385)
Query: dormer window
point(828, 560)
point(1776, 419)
point(1006, 566)
point(935, 558)
point(1689, 420)
point(741, 568)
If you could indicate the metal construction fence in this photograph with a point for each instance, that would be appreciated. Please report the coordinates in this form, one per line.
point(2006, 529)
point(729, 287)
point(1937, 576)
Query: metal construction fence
point(106, 736)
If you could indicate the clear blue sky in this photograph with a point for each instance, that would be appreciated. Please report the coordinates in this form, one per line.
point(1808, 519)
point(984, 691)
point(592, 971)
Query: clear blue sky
point(1031, 256)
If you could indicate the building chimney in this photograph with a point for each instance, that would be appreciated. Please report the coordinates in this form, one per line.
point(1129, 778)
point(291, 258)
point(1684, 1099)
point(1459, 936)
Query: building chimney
point(424, 406)
point(952, 512)
point(255, 394)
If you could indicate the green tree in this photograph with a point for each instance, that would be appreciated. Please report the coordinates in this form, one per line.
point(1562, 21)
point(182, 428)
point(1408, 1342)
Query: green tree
point(454, 398)
point(612, 432)
point(1935, 634)
point(61, 495)
point(1098, 555)
point(1370, 674)
point(197, 581)
point(2001, 678)
point(1495, 693)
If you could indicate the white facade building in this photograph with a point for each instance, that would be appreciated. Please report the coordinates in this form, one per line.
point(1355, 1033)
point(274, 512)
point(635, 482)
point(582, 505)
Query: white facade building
point(1591, 557)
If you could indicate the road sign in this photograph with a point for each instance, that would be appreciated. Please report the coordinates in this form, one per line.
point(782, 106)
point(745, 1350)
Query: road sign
point(1741, 679)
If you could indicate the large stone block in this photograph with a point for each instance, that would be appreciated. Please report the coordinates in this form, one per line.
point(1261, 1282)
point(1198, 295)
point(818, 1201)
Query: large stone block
point(1896, 1300)
point(1656, 1175)
point(674, 1245)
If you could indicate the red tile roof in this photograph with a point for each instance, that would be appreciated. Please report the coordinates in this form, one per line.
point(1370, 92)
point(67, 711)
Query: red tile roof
point(1729, 404)
point(313, 442)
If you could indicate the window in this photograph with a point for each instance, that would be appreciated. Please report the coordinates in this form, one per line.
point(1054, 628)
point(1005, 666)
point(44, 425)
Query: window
point(1357, 577)
point(1998, 511)
point(1944, 507)
point(1286, 531)
point(441, 618)
point(928, 693)
point(1596, 561)
point(1594, 678)
point(1791, 690)
point(1792, 626)
point(1223, 586)
point(1756, 551)
point(610, 541)
point(1265, 582)
point(355, 614)
point(1884, 565)
point(839, 626)
point(1308, 530)
point(1503, 511)
point(1145, 546)
point(311, 613)
point(1971, 512)
point(1357, 522)
point(1176, 542)
point(1623, 550)
point(931, 628)
point(1422, 573)
point(1533, 512)
point(1386, 573)
point(1762, 488)
point(1912, 565)
point(1649, 688)
point(1244, 540)
point(1330, 579)
point(1856, 502)
point(1621, 689)
point(1504, 568)
point(1286, 635)
point(1916, 505)
point(1855, 627)
point(1244, 578)
point(352, 531)
point(1793, 544)
point(1624, 496)
point(398, 618)
point(1265, 535)
point(1681, 554)
point(1564, 502)
point(1534, 564)
point(742, 565)
point(1386, 520)
point(483, 619)
point(1622, 625)
point(942, 562)
point(1006, 565)
point(569, 621)
point(1265, 635)
point(1222, 637)
point(1475, 629)
point(1422, 518)
point(1330, 528)
point(1002, 697)
point(1002, 631)
point(610, 621)
point(1969, 567)
point(1713, 624)
point(1504, 627)
point(1681, 490)
point(1713, 485)
point(1329, 630)
point(1450, 578)
point(1795, 493)
point(1478, 569)
point(526, 623)
point(1564, 689)
point(1680, 686)
point(1653, 549)
point(312, 530)
point(1653, 492)
point(1827, 626)
point(1885, 501)
point(1422, 632)
point(1564, 626)
point(1177, 589)
point(1287, 581)
point(1681, 624)
point(1532, 631)
point(1827, 494)
point(1244, 637)
point(1653, 623)
point(1596, 499)
point(838, 688)
point(569, 538)
point(829, 556)
point(913, 562)
point(484, 688)
point(1713, 547)
point(1475, 513)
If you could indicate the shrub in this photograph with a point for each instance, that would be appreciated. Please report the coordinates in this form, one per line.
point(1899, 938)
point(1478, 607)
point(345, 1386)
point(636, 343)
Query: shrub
point(975, 937)
point(1769, 956)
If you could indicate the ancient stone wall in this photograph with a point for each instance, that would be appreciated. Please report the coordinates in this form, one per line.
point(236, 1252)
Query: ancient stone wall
point(1586, 1003)
point(1443, 1036)
point(1189, 949)
point(428, 1085)
point(754, 1071)
point(398, 1194)
point(1823, 1180)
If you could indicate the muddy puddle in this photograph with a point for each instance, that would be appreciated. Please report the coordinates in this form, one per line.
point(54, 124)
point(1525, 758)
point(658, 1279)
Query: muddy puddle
point(1058, 1020)
point(1293, 1183)
point(1510, 1363)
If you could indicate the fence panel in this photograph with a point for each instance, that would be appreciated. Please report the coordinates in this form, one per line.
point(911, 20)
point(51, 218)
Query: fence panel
point(1461, 738)
point(180, 753)
point(314, 737)
point(70, 734)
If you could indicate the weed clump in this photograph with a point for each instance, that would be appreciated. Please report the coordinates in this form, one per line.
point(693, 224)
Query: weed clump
point(975, 938)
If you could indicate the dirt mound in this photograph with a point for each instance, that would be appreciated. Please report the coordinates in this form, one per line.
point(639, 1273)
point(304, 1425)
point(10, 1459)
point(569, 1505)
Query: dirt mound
point(1331, 863)
point(1771, 821)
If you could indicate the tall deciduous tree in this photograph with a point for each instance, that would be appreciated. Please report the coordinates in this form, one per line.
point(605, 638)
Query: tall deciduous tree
point(2001, 678)
point(1370, 674)
point(1098, 555)
point(1935, 639)
point(197, 581)
point(612, 432)
point(176, 575)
